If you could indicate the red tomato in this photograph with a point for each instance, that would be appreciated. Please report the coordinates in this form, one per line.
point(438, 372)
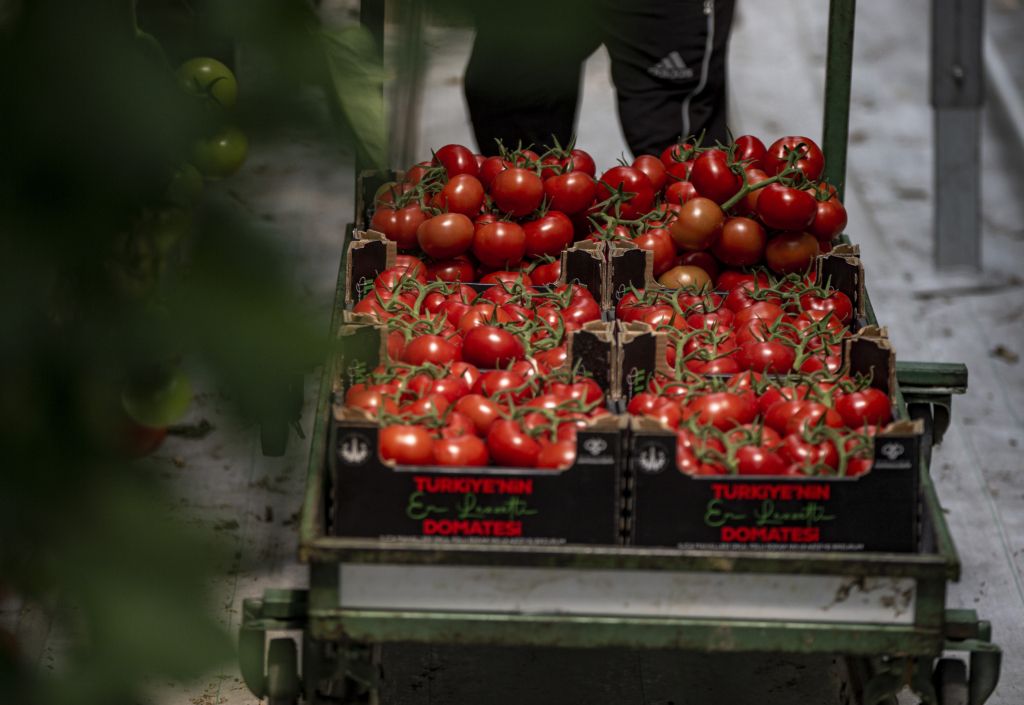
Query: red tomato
point(517, 191)
point(730, 279)
point(450, 270)
point(392, 277)
point(784, 208)
point(811, 161)
point(431, 405)
point(756, 460)
point(749, 147)
point(811, 414)
point(748, 204)
point(700, 259)
point(547, 273)
point(632, 181)
point(461, 451)
point(713, 178)
point(805, 454)
point(499, 244)
point(371, 400)
point(741, 243)
point(451, 388)
point(490, 168)
point(580, 161)
point(654, 169)
point(698, 225)
point(829, 222)
point(658, 241)
point(558, 456)
point(480, 410)
point(553, 358)
point(430, 348)
point(870, 406)
point(462, 194)
point(586, 390)
point(778, 414)
point(445, 235)
point(399, 225)
point(723, 410)
point(760, 356)
point(407, 445)
point(836, 301)
point(789, 253)
point(466, 372)
point(680, 192)
point(490, 347)
point(675, 154)
point(416, 174)
point(548, 235)
point(502, 385)
point(570, 193)
point(456, 160)
point(509, 278)
point(510, 446)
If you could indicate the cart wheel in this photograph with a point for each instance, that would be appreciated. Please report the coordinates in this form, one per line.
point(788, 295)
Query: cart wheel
point(950, 680)
point(282, 673)
point(274, 438)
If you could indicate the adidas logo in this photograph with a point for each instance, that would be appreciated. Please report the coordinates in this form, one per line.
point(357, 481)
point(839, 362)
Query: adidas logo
point(671, 67)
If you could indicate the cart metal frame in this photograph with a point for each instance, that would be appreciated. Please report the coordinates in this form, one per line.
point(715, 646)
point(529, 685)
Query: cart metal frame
point(341, 653)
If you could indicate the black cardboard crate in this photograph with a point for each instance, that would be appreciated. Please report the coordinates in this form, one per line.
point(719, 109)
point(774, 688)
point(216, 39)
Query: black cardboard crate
point(877, 511)
point(579, 505)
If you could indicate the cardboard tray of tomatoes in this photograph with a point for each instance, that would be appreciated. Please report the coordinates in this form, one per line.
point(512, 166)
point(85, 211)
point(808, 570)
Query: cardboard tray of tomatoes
point(375, 498)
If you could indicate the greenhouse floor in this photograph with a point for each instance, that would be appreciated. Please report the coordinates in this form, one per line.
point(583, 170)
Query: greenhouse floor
point(303, 189)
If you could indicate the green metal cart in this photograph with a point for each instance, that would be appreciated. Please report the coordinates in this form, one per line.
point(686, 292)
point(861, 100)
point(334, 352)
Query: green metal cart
point(884, 614)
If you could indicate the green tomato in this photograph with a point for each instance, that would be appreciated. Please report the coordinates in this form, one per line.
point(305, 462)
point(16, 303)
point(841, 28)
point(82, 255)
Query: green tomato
point(186, 187)
point(222, 154)
point(170, 227)
point(209, 78)
point(159, 397)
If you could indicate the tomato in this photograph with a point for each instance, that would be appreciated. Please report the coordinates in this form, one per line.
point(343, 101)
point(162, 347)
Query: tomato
point(510, 446)
point(445, 235)
point(430, 348)
point(547, 273)
point(510, 279)
point(391, 278)
point(209, 78)
point(869, 406)
point(582, 310)
point(499, 244)
point(456, 160)
point(829, 222)
point(811, 161)
point(407, 445)
point(581, 161)
point(517, 191)
point(221, 154)
point(416, 174)
point(805, 454)
point(749, 147)
point(466, 372)
point(186, 186)
point(684, 277)
point(548, 235)
point(451, 388)
point(784, 208)
point(757, 460)
point(730, 279)
point(450, 270)
point(712, 177)
point(835, 301)
point(461, 451)
point(490, 168)
point(741, 243)
point(669, 414)
point(658, 241)
point(632, 181)
point(675, 154)
point(645, 403)
point(432, 405)
point(399, 225)
point(748, 204)
point(158, 397)
point(766, 357)
point(585, 390)
point(720, 319)
point(698, 225)
point(490, 347)
point(654, 169)
point(140, 441)
point(558, 456)
point(680, 171)
point(789, 253)
point(480, 410)
point(723, 410)
point(570, 193)
point(502, 385)
point(462, 194)
point(811, 414)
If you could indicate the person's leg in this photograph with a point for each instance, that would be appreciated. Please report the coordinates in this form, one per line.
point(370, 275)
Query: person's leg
point(522, 81)
point(668, 64)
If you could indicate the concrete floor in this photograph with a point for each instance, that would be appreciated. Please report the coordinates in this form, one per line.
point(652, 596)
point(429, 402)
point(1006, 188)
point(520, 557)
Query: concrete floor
point(303, 190)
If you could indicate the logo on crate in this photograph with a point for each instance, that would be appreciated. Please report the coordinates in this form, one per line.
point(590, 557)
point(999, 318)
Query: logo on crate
point(892, 450)
point(636, 381)
point(620, 292)
point(595, 446)
point(652, 459)
point(354, 449)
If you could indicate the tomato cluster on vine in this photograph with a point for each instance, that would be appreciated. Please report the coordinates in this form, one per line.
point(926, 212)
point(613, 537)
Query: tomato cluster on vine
point(701, 209)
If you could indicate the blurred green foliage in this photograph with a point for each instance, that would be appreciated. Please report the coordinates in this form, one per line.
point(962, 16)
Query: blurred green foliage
point(92, 129)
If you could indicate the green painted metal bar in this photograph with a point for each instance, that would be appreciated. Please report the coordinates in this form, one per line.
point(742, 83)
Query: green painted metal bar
point(838, 74)
point(931, 374)
point(640, 633)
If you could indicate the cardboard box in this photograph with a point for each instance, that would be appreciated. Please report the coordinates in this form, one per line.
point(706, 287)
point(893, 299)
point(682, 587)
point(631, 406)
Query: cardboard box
point(877, 511)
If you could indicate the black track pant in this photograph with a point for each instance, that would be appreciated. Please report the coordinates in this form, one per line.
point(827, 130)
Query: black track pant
point(668, 66)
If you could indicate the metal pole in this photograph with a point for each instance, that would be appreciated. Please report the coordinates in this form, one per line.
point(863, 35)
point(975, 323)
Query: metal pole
point(957, 94)
point(838, 73)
